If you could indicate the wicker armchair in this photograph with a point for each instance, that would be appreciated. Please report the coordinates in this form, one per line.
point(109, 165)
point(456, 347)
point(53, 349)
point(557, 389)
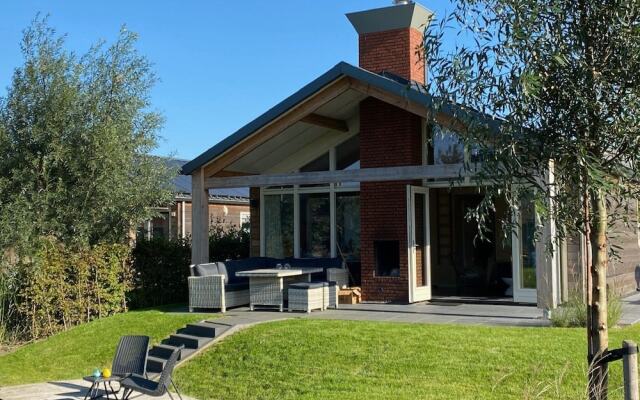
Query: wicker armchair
point(211, 291)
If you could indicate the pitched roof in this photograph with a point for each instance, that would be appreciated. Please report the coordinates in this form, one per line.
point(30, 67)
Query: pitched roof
point(182, 187)
point(388, 82)
point(338, 71)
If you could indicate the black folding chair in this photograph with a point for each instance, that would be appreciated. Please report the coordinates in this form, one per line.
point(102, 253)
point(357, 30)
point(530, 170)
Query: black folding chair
point(137, 383)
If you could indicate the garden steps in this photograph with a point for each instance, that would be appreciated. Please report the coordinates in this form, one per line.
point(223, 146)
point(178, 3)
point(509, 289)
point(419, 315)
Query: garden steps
point(193, 337)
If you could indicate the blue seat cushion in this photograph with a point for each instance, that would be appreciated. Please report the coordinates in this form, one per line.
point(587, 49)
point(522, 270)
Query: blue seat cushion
point(206, 269)
point(230, 267)
point(222, 270)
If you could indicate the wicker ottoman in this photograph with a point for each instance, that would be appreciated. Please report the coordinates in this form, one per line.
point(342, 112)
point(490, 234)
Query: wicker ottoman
point(306, 296)
point(331, 294)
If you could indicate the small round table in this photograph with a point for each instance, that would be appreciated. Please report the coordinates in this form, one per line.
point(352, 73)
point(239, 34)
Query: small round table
point(94, 390)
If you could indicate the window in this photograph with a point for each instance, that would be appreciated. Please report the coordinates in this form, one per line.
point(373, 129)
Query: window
point(318, 220)
point(321, 163)
point(315, 225)
point(348, 158)
point(245, 219)
point(447, 147)
point(348, 225)
point(278, 225)
point(528, 245)
point(348, 154)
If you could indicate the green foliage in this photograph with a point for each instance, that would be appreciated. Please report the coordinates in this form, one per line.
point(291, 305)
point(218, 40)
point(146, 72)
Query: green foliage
point(161, 269)
point(535, 81)
point(162, 266)
point(228, 242)
point(75, 137)
point(76, 352)
point(60, 287)
point(573, 313)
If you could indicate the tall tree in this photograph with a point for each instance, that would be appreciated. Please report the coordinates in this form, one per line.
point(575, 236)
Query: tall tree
point(550, 89)
point(75, 138)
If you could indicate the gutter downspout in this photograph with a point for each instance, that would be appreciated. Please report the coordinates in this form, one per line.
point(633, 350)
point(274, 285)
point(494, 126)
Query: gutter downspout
point(183, 222)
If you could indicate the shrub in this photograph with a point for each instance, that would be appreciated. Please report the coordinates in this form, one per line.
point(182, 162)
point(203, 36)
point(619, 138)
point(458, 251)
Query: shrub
point(161, 268)
point(573, 313)
point(61, 287)
point(228, 242)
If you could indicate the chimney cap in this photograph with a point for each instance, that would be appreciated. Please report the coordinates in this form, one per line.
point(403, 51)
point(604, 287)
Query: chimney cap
point(403, 14)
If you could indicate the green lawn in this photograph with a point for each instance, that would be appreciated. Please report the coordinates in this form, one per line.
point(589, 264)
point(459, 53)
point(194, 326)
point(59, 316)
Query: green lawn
point(76, 352)
point(314, 359)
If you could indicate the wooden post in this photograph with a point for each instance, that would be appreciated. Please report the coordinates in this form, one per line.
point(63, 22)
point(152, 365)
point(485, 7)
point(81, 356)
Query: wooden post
point(546, 263)
point(630, 370)
point(199, 219)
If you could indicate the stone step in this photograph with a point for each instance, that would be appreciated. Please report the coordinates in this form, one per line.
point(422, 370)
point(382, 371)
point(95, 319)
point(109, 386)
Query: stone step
point(165, 350)
point(188, 341)
point(203, 329)
point(155, 364)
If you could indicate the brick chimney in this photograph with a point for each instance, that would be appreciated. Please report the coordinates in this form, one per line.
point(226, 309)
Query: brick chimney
point(389, 38)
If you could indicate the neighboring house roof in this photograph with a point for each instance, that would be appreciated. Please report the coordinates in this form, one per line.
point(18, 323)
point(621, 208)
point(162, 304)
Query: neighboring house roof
point(182, 185)
point(384, 81)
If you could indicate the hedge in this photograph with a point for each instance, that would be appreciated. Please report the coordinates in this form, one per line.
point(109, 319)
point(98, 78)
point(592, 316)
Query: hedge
point(61, 287)
point(162, 266)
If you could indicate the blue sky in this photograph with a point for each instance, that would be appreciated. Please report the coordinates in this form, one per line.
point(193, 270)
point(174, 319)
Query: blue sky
point(221, 63)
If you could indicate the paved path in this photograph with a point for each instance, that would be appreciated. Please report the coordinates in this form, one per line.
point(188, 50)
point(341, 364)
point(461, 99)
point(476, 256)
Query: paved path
point(432, 313)
point(67, 390)
point(630, 310)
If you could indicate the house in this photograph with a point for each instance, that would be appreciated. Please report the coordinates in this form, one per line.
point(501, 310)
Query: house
point(228, 207)
point(352, 165)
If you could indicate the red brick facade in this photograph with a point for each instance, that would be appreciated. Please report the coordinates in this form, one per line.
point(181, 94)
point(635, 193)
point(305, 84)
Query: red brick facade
point(254, 196)
point(389, 136)
point(393, 51)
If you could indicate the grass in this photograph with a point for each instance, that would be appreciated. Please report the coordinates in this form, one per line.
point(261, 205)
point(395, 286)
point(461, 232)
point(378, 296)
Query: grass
point(573, 313)
point(76, 352)
point(315, 359)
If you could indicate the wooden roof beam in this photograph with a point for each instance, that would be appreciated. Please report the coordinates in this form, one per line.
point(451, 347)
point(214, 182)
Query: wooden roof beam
point(326, 122)
point(410, 172)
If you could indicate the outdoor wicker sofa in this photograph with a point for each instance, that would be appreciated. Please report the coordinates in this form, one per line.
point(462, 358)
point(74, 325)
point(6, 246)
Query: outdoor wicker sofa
point(215, 285)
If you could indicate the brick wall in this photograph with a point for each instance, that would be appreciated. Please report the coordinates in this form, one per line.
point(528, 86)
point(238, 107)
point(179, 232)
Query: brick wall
point(389, 137)
point(393, 51)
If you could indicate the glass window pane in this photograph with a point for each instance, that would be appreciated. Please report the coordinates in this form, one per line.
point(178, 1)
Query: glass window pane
point(348, 154)
point(447, 147)
point(319, 164)
point(278, 225)
point(348, 225)
point(315, 225)
point(348, 158)
point(528, 245)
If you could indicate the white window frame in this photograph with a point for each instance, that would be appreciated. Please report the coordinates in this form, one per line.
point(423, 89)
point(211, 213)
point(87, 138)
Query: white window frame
point(332, 189)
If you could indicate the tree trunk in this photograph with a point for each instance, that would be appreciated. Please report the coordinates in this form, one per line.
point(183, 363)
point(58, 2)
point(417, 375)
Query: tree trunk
point(597, 332)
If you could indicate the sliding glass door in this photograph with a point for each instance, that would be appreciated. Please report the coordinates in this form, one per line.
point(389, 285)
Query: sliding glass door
point(278, 225)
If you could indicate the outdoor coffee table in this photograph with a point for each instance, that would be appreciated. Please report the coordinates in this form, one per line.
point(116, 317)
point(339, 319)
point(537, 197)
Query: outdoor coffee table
point(266, 286)
point(94, 390)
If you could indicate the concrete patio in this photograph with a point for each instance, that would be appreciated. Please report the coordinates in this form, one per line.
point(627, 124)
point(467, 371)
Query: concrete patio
point(67, 390)
point(436, 312)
